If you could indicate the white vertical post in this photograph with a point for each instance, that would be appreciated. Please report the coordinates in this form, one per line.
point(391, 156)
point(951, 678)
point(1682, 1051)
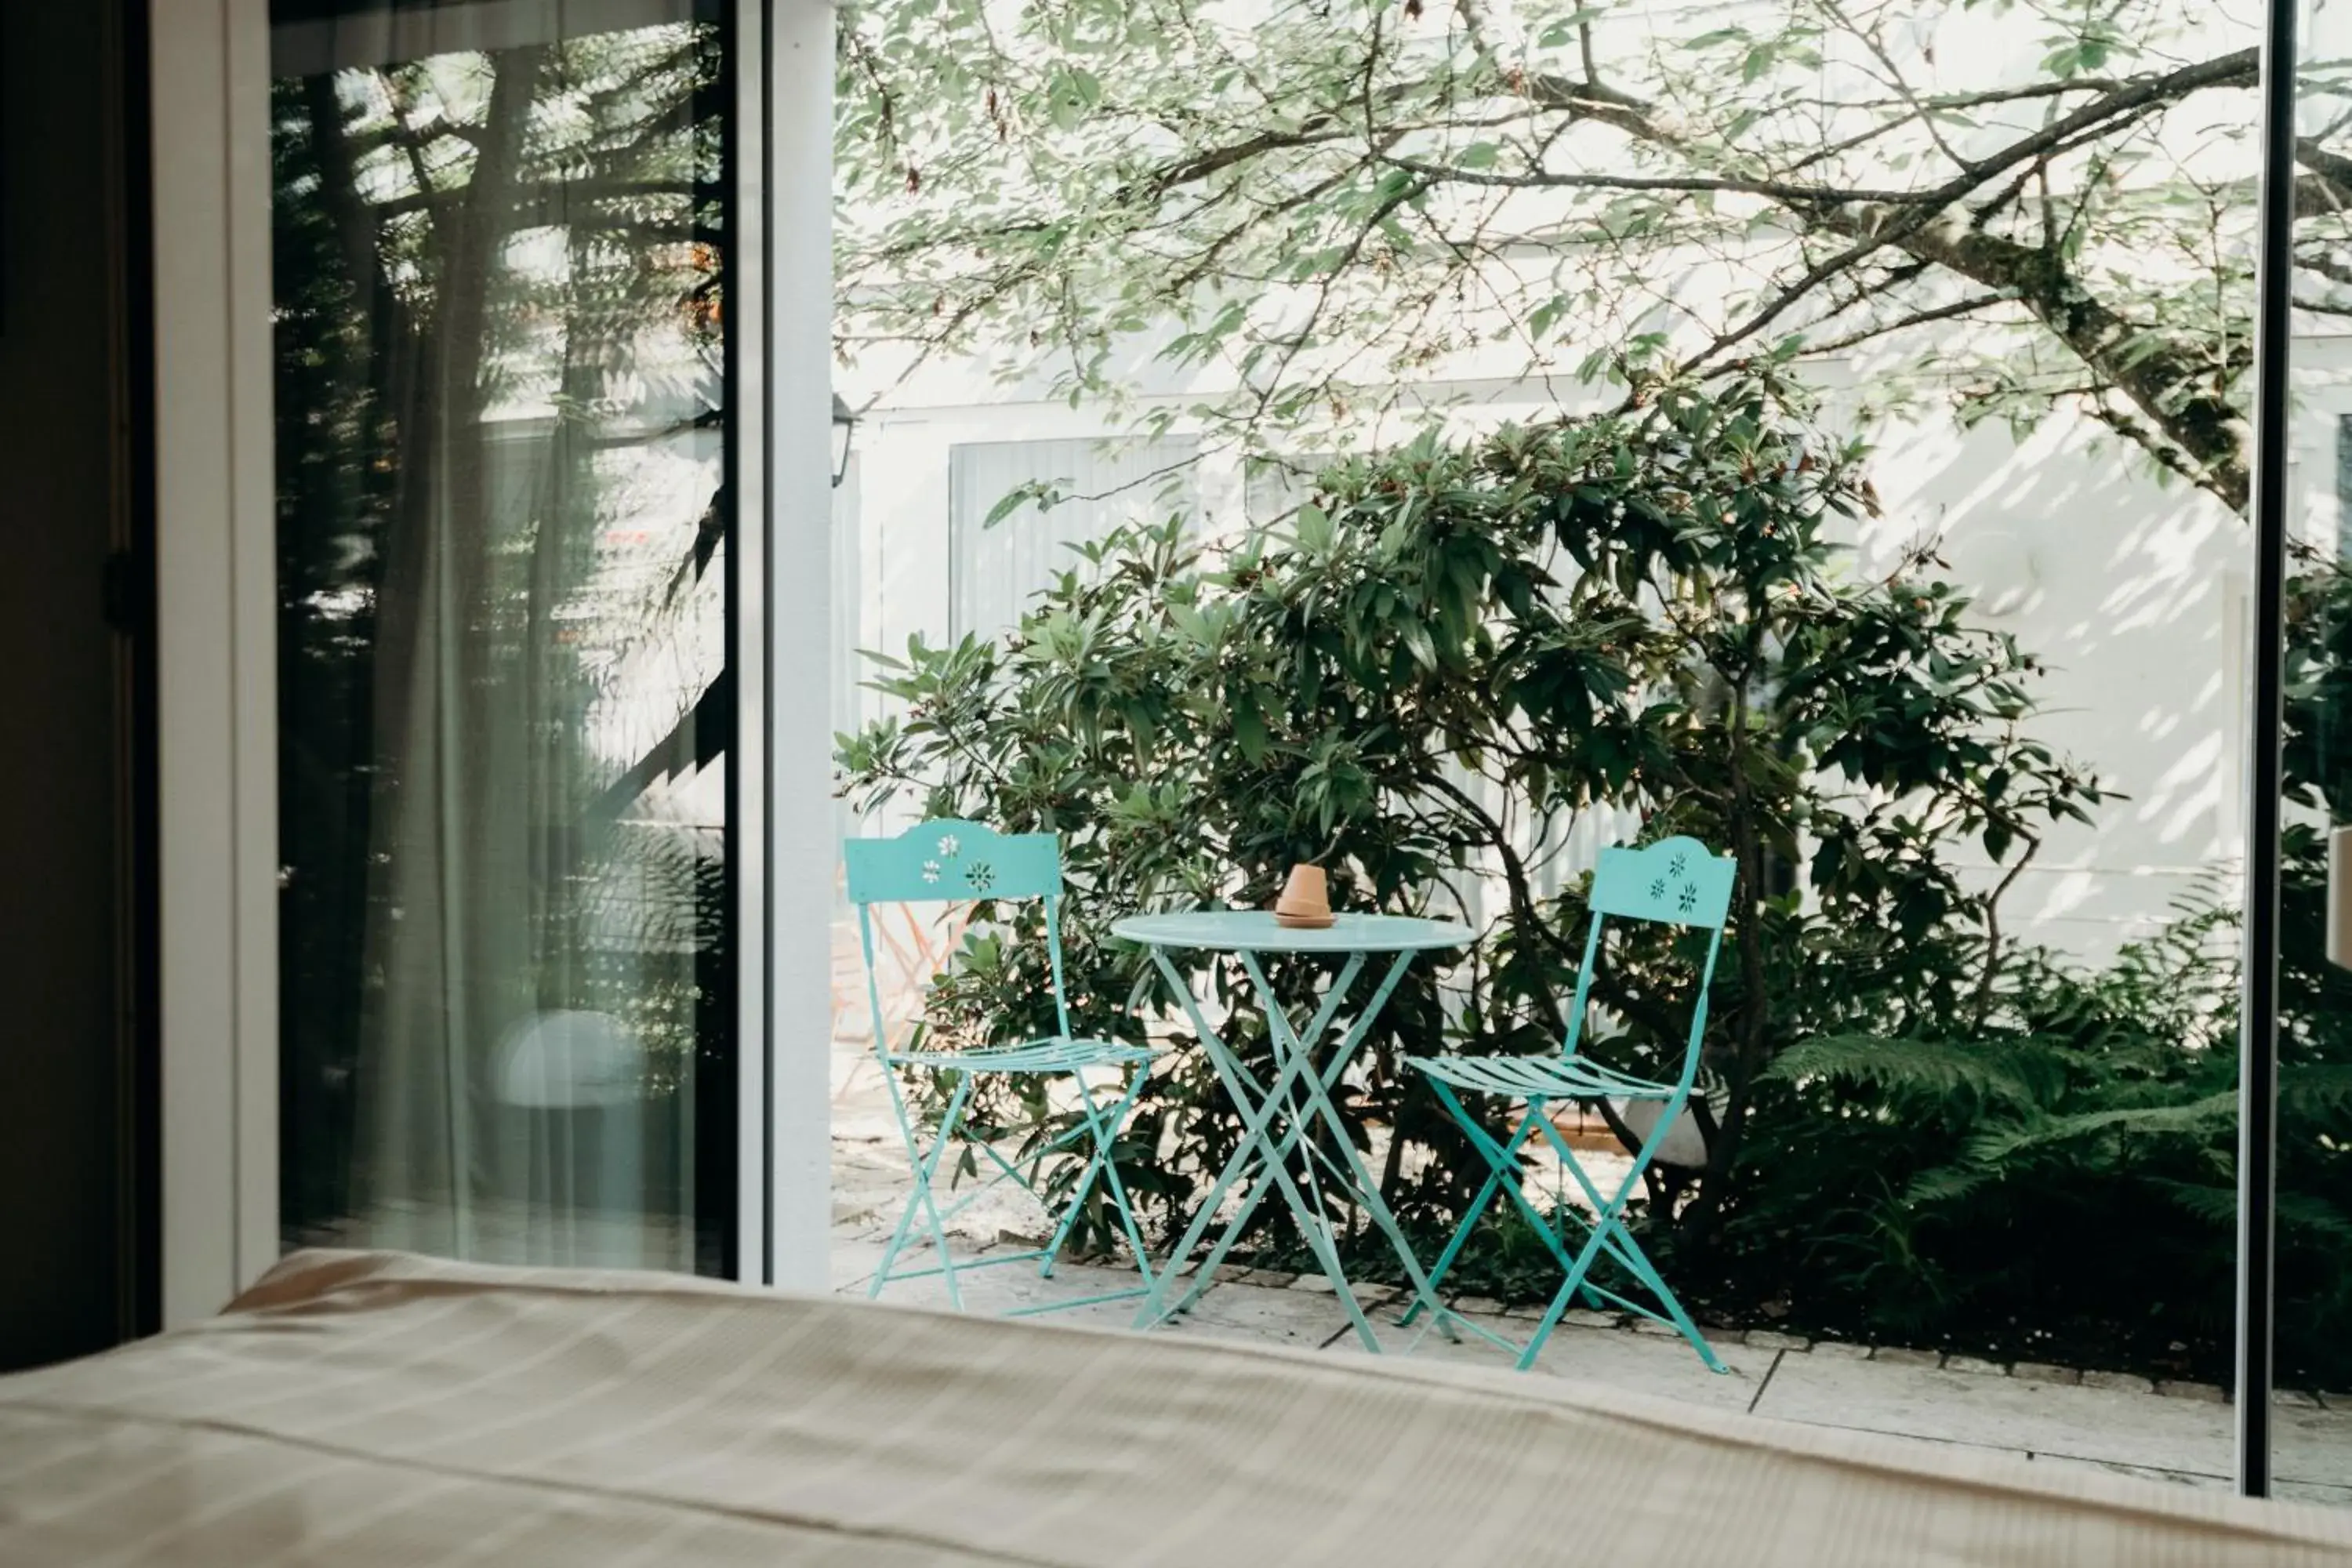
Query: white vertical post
point(802, 852)
point(747, 316)
point(215, 649)
point(253, 587)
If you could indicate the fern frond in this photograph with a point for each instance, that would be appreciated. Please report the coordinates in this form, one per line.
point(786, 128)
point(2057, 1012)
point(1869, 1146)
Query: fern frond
point(1949, 1183)
point(2006, 1072)
point(2319, 1089)
point(2194, 1118)
point(2215, 1206)
point(2306, 1219)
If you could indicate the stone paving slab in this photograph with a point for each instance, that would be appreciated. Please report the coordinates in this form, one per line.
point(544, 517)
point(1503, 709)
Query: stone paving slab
point(2033, 1413)
point(1265, 1316)
point(2312, 1447)
point(1606, 1358)
point(2011, 1413)
point(2144, 1472)
point(1011, 1286)
point(853, 1261)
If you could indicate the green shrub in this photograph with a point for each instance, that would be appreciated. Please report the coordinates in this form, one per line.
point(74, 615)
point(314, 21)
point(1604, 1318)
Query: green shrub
point(1452, 653)
point(2059, 1179)
point(1918, 1132)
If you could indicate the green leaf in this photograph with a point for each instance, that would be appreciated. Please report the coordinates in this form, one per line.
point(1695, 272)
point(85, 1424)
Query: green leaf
point(1314, 530)
point(1192, 624)
point(1035, 491)
point(1249, 728)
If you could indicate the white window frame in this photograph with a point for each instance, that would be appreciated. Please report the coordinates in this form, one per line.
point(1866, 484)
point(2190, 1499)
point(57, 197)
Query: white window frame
point(216, 650)
point(216, 645)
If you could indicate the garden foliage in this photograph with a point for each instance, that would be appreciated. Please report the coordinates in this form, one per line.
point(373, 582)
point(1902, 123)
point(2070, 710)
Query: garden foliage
point(1918, 1129)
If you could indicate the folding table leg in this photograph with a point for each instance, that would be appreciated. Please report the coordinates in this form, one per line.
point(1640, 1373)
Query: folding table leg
point(1258, 1113)
point(1293, 1067)
point(1319, 1100)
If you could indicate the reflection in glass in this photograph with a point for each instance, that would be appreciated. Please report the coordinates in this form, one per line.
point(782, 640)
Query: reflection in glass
point(501, 568)
point(2311, 1448)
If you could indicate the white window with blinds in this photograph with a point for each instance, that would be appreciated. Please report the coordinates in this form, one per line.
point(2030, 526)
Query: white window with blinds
point(994, 572)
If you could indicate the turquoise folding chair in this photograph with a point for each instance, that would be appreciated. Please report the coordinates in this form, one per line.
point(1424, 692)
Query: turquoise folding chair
point(1676, 881)
point(957, 862)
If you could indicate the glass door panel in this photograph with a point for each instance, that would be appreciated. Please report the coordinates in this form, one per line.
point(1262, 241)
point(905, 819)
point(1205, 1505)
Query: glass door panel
point(2310, 1427)
point(504, 564)
point(1968, 1093)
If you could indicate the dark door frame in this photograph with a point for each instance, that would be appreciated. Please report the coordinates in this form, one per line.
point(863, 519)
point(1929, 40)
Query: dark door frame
point(2259, 995)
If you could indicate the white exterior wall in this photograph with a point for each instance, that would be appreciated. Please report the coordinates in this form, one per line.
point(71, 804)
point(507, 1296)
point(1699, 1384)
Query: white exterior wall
point(2135, 596)
point(2134, 593)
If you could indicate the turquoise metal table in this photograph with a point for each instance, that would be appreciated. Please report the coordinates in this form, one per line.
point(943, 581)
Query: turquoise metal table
point(1277, 1116)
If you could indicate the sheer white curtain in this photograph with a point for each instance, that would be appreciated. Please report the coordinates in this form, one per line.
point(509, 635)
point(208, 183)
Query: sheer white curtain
point(503, 518)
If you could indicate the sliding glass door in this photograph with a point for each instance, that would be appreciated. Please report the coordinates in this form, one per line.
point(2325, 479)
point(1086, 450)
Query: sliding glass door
point(2304, 1447)
point(507, 551)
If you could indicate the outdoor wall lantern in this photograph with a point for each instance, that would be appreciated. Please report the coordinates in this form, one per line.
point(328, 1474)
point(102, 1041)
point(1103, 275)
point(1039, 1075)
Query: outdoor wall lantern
point(845, 426)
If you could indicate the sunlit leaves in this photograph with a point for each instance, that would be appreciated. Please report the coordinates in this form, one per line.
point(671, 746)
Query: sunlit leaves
point(1368, 191)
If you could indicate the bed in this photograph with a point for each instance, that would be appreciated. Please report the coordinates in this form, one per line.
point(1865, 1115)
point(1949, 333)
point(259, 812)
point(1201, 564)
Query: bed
point(375, 1409)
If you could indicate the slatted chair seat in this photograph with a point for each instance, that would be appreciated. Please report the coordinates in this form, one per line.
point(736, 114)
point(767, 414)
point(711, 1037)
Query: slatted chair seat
point(1541, 1078)
point(1052, 1053)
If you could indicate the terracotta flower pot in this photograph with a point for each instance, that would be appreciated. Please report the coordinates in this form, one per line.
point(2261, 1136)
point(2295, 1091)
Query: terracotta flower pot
point(1305, 901)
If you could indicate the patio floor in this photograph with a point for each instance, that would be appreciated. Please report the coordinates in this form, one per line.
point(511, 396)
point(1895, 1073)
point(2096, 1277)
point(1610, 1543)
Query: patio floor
point(2052, 1416)
point(2175, 1431)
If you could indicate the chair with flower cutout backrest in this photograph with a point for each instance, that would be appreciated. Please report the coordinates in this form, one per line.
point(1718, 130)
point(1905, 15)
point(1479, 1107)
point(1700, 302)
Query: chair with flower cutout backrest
point(959, 862)
point(1679, 882)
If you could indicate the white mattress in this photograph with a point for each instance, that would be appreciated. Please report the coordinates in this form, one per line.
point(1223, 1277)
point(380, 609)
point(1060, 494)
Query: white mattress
point(367, 1409)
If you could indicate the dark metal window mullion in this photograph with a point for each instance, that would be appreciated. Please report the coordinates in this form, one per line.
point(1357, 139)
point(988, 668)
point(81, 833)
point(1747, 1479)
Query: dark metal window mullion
point(2258, 1046)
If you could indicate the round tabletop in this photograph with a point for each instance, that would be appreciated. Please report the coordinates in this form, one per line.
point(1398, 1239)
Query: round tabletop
point(1255, 931)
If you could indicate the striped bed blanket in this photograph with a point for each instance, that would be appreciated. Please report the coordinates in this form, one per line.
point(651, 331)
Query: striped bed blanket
point(363, 1410)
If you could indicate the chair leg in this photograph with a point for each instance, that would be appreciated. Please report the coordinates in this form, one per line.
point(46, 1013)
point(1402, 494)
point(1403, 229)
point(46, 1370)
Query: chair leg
point(1012, 1173)
point(1620, 1243)
point(926, 1171)
point(898, 1240)
point(1084, 1186)
point(1682, 1319)
point(1106, 1161)
point(1540, 1116)
point(916, 1205)
point(1498, 1158)
point(1610, 1234)
point(915, 1167)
